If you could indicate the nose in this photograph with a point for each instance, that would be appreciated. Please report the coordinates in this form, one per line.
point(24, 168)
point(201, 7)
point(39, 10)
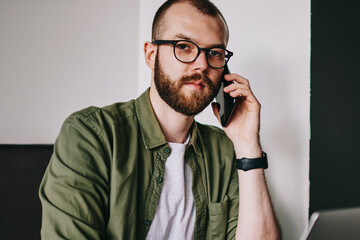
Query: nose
point(200, 64)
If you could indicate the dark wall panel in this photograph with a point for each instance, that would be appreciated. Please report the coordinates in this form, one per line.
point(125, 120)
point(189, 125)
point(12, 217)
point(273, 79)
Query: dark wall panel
point(335, 105)
point(21, 170)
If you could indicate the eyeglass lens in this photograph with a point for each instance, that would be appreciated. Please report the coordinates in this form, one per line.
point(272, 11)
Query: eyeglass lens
point(188, 52)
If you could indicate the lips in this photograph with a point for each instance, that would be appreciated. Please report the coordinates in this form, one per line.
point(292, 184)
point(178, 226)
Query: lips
point(199, 83)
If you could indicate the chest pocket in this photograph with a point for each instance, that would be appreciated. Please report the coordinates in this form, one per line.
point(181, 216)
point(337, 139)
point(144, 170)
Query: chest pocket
point(218, 216)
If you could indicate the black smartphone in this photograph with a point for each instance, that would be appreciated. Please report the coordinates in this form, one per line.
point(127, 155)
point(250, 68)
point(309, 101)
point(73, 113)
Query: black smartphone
point(226, 102)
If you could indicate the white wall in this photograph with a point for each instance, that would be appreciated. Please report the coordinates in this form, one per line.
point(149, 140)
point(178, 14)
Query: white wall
point(271, 44)
point(60, 56)
point(57, 57)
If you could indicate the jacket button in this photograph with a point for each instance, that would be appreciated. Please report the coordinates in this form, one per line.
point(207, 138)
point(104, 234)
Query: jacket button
point(167, 150)
point(159, 179)
point(147, 222)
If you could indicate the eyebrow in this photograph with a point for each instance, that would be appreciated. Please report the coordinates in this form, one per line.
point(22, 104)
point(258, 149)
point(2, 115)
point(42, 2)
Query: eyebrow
point(183, 36)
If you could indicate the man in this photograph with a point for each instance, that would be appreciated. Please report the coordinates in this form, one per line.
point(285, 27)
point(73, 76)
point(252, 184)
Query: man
point(144, 169)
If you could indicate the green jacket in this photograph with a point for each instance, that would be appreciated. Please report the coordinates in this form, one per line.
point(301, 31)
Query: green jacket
point(105, 176)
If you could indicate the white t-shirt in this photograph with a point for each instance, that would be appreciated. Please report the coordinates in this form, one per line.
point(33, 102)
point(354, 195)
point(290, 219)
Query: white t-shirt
point(175, 212)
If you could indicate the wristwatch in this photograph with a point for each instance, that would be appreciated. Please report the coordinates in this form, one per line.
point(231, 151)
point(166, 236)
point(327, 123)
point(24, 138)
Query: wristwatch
point(252, 163)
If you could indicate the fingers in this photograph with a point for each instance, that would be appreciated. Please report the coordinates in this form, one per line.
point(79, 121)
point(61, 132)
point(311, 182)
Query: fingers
point(240, 88)
point(237, 78)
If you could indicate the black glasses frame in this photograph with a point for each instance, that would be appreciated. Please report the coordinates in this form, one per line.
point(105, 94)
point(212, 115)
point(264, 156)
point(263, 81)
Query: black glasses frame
point(228, 54)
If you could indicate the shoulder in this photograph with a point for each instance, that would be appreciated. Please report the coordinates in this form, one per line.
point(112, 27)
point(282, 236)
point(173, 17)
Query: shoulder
point(212, 131)
point(103, 123)
point(104, 115)
point(97, 127)
point(214, 136)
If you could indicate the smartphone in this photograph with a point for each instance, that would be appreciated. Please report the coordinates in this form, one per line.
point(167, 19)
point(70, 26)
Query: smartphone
point(225, 101)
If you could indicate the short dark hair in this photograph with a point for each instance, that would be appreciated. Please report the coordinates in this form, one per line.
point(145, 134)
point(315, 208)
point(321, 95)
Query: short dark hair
point(206, 7)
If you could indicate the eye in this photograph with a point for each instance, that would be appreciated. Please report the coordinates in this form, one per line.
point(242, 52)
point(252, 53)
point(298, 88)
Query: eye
point(183, 46)
point(217, 52)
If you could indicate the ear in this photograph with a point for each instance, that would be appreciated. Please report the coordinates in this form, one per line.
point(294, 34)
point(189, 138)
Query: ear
point(150, 51)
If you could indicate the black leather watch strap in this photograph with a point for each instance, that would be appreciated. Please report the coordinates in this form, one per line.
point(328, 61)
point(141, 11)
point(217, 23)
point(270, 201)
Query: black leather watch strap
point(252, 163)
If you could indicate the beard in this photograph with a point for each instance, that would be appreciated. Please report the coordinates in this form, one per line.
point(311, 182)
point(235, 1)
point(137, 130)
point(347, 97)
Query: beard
point(171, 91)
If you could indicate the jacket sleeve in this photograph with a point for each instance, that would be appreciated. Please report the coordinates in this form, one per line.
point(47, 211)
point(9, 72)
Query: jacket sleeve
point(74, 191)
point(233, 193)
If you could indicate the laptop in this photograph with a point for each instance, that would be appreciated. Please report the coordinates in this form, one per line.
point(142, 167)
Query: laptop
point(342, 224)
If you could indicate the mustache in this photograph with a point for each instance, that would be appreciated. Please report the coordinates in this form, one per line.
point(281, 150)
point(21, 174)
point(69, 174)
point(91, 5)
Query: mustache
point(194, 77)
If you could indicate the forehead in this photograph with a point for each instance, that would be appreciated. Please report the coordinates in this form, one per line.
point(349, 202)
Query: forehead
point(183, 19)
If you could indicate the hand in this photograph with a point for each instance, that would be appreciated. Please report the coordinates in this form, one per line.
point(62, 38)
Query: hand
point(244, 124)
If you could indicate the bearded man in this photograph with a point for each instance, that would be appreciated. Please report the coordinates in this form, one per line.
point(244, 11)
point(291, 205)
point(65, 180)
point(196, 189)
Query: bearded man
point(144, 169)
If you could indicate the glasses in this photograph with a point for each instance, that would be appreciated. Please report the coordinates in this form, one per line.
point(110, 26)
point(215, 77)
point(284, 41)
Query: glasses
point(186, 51)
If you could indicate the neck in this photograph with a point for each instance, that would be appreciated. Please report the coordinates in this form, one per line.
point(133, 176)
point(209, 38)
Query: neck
point(174, 125)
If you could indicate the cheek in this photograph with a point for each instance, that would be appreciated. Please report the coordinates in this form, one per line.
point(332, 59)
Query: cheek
point(216, 78)
point(171, 66)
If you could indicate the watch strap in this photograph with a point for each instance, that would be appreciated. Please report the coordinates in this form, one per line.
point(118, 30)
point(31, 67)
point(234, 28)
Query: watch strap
point(252, 163)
